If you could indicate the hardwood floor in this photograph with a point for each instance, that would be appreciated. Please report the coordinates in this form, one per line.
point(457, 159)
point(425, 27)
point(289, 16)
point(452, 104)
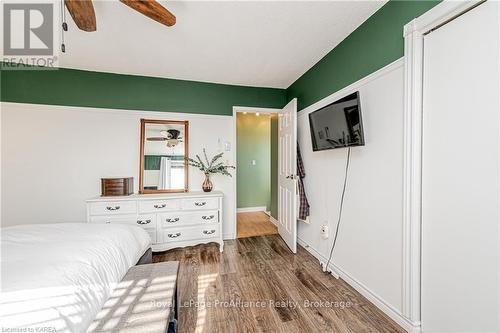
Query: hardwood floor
point(254, 224)
point(258, 285)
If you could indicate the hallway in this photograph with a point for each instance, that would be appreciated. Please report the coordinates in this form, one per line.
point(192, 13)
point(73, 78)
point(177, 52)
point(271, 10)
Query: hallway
point(254, 224)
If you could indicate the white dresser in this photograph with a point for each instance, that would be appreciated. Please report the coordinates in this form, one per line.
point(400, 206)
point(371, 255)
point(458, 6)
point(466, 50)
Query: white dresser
point(172, 220)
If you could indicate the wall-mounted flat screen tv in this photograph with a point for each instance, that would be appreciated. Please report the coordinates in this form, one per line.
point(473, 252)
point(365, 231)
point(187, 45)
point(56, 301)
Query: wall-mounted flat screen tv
point(338, 124)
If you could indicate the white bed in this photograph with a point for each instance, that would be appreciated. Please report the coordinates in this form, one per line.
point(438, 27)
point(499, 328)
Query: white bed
point(56, 277)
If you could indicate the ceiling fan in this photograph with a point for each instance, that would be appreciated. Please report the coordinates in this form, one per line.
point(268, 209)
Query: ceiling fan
point(82, 12)
point(171, 136)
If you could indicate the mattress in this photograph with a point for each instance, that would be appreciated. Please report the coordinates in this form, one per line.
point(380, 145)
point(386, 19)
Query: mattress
point(56, 277)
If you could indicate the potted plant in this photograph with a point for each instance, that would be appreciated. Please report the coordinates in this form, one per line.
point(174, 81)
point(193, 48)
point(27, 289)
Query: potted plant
point(210, 167)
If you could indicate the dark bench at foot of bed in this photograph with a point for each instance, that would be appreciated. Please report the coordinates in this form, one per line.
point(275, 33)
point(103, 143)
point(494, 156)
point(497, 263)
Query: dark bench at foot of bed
point(146, 258)
point(143, 302)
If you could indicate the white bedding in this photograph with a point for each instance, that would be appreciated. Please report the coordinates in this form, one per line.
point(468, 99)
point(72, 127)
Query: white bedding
point(56, 277)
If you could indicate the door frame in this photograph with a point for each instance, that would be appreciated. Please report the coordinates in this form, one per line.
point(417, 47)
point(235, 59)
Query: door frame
point(236, 110)
point(414, 33)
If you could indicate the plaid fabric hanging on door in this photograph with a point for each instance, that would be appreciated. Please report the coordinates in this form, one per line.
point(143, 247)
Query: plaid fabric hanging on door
point(303, 203)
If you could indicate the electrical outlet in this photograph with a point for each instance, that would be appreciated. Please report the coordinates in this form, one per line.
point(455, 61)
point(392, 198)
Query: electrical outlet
point(324, 231)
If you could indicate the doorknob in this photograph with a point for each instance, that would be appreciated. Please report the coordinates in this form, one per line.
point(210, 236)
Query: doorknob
point(290, 177)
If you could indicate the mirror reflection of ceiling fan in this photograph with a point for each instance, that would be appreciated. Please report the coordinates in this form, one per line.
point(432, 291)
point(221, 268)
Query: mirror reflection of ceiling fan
point(171, 136)
point(82, 12)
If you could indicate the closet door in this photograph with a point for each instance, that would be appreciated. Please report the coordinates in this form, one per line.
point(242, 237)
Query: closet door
point(460, 174)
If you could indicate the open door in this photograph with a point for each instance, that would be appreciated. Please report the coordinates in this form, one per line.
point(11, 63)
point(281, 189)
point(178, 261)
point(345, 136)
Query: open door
point(287, 170)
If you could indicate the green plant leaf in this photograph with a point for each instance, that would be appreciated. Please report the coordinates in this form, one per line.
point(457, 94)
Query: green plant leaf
point(212, 166)
point(215, 158)
point(206, 157)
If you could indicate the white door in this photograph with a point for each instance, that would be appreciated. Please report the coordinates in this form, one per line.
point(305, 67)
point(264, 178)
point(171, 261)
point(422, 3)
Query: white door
point(460, 174)
point(287, 179)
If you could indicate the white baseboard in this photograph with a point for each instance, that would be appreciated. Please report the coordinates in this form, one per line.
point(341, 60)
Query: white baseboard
point(415, 328)
point(252, 209)
point(273, 220)
point(322, 259)
point(388, 309)
point(228, 236)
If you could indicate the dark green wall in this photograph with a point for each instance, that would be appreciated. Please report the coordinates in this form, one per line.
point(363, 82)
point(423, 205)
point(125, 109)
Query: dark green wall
point(106, 90)
point(373, 45)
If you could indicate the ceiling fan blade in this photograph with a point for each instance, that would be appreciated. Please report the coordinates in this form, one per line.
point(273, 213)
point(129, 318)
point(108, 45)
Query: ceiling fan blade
point(153, 10)
point(157, 138)
point(82, 12)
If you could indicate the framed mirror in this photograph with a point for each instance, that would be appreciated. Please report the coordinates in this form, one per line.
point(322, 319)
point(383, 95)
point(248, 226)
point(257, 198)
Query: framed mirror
point(163, 164)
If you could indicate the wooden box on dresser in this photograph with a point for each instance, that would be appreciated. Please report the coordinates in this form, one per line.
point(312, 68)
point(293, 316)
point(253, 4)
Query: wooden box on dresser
point(172, 219)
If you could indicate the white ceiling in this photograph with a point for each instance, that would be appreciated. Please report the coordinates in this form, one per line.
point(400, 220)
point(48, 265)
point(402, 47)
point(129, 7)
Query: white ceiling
point(253, 43)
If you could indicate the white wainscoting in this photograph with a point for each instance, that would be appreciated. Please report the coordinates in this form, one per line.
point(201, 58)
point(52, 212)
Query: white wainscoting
point(369, 252)
point(54, 156)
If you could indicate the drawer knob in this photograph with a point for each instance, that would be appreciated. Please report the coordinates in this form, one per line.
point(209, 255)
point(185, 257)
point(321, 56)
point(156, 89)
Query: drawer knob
point(160, 206)
point(112, 208)
point(206, 217)
point(172, 220)
point(174, 235)
point(143, 221)
point(209, 232)
point(199, 204)
point(107, 222)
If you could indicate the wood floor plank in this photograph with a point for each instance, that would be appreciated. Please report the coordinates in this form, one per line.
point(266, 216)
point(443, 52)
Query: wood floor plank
point(292, 287)
point(254, 224)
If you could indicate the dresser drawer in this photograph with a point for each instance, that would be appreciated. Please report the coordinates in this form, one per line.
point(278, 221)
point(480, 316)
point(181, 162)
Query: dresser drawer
point(123, 219)
point(146, 221)
point(169, 220)
point(158, 205)
point(191, 233)
point(152, 235)
point(200, 203)
point(113, 207)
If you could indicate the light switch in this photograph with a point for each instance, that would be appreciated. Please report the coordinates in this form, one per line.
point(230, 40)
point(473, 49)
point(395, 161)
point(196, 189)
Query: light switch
point(254, 162)
point(227, 146)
